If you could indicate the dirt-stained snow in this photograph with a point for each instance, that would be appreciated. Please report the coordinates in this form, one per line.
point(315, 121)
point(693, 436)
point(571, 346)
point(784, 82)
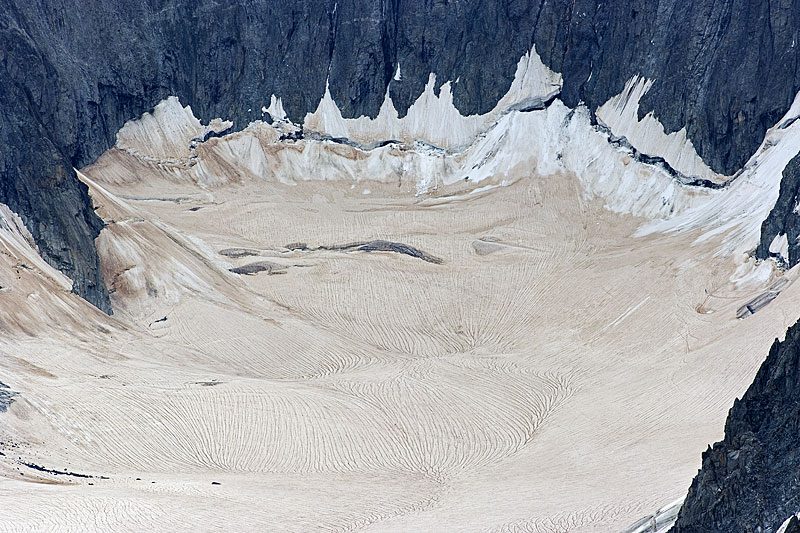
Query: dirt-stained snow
point(560, 365)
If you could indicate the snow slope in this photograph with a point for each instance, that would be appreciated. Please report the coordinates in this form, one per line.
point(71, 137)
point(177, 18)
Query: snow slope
point(548, 374)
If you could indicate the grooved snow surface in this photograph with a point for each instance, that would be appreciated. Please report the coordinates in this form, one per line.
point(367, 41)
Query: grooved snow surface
point(561, 369)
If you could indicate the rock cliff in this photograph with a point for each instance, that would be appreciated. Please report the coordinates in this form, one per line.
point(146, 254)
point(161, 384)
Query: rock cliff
point(749, 481)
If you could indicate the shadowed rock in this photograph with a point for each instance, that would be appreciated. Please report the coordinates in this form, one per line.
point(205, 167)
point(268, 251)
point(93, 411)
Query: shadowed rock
point(748, 481)
point(400, 248)
point(40, 468)
point(6, 397)
point(236, 253)
point(385, 246)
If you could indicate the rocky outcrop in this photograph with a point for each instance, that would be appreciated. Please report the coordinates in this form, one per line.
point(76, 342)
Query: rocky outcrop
point(38, 182)
point(71, 76)
point(783, 223)
point(749, 481)
point(6, 397)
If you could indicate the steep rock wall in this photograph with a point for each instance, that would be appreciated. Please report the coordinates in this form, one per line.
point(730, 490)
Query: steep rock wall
point(749, 480)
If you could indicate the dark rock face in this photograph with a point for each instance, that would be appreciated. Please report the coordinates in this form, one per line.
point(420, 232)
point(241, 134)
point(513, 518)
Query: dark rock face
point(750, 481)
point(783, 218)
point(36, 179)
point(71, 76)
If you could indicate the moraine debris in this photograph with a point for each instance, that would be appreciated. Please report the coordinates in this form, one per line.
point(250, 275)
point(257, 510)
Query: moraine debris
point(761, 301)
point(162, 319)
point(210, 383)
point(385, 246)
point(236, 253)
point(38, 468)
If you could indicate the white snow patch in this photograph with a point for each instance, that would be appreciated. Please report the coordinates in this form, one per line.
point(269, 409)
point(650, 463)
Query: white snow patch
point(485, 188)
point(275, 108)
point(751, 273)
